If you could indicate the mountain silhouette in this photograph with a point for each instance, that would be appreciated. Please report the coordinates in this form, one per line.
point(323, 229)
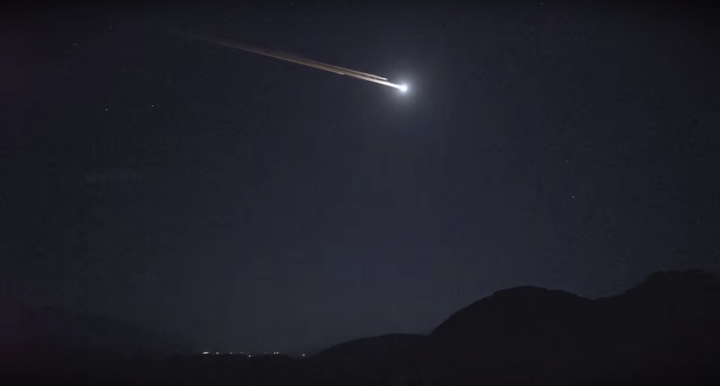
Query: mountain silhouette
point(52, 335)
point(664, 329)
point(376, 349)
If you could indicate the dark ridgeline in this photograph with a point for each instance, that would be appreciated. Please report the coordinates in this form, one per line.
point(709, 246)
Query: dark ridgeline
point(662, 331)
point(665, 330)
point(52, 341)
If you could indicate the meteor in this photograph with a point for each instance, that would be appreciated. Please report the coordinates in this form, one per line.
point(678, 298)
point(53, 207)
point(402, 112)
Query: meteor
point(306, 62)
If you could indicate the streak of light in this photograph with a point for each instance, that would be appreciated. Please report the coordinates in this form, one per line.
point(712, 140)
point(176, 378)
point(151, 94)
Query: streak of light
point(305, 62)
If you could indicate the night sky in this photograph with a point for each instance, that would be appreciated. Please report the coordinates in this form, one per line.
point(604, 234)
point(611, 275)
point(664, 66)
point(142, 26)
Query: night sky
point(248, 203)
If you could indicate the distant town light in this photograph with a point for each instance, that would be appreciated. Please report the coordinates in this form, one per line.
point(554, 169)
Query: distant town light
point(217, 353)
point(303, 354)
point(206, 352)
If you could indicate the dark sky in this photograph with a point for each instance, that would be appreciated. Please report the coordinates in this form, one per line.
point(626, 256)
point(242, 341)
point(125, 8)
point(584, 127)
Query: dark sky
point(250, 203)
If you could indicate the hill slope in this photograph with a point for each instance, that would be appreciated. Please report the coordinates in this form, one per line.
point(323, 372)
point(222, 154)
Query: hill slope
point(665, 328)
point(29, 334)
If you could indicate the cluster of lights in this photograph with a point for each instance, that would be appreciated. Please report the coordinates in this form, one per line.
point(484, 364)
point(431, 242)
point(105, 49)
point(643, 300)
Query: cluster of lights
point(242, 353)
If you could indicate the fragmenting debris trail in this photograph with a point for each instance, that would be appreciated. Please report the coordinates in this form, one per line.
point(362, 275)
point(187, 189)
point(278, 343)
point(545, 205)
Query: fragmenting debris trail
point(305, 62)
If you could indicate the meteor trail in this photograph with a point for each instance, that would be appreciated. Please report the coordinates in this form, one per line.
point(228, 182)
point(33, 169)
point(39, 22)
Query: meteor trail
point(306, 62)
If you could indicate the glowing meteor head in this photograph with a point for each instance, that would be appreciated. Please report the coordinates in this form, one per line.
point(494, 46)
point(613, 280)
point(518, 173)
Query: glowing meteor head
point(403, 88)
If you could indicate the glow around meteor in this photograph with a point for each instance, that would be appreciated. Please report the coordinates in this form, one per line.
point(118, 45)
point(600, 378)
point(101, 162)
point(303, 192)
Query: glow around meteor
point(306, 62)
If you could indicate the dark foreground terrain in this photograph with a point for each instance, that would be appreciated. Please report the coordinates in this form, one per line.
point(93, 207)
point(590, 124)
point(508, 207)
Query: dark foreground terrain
point(665, 330)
